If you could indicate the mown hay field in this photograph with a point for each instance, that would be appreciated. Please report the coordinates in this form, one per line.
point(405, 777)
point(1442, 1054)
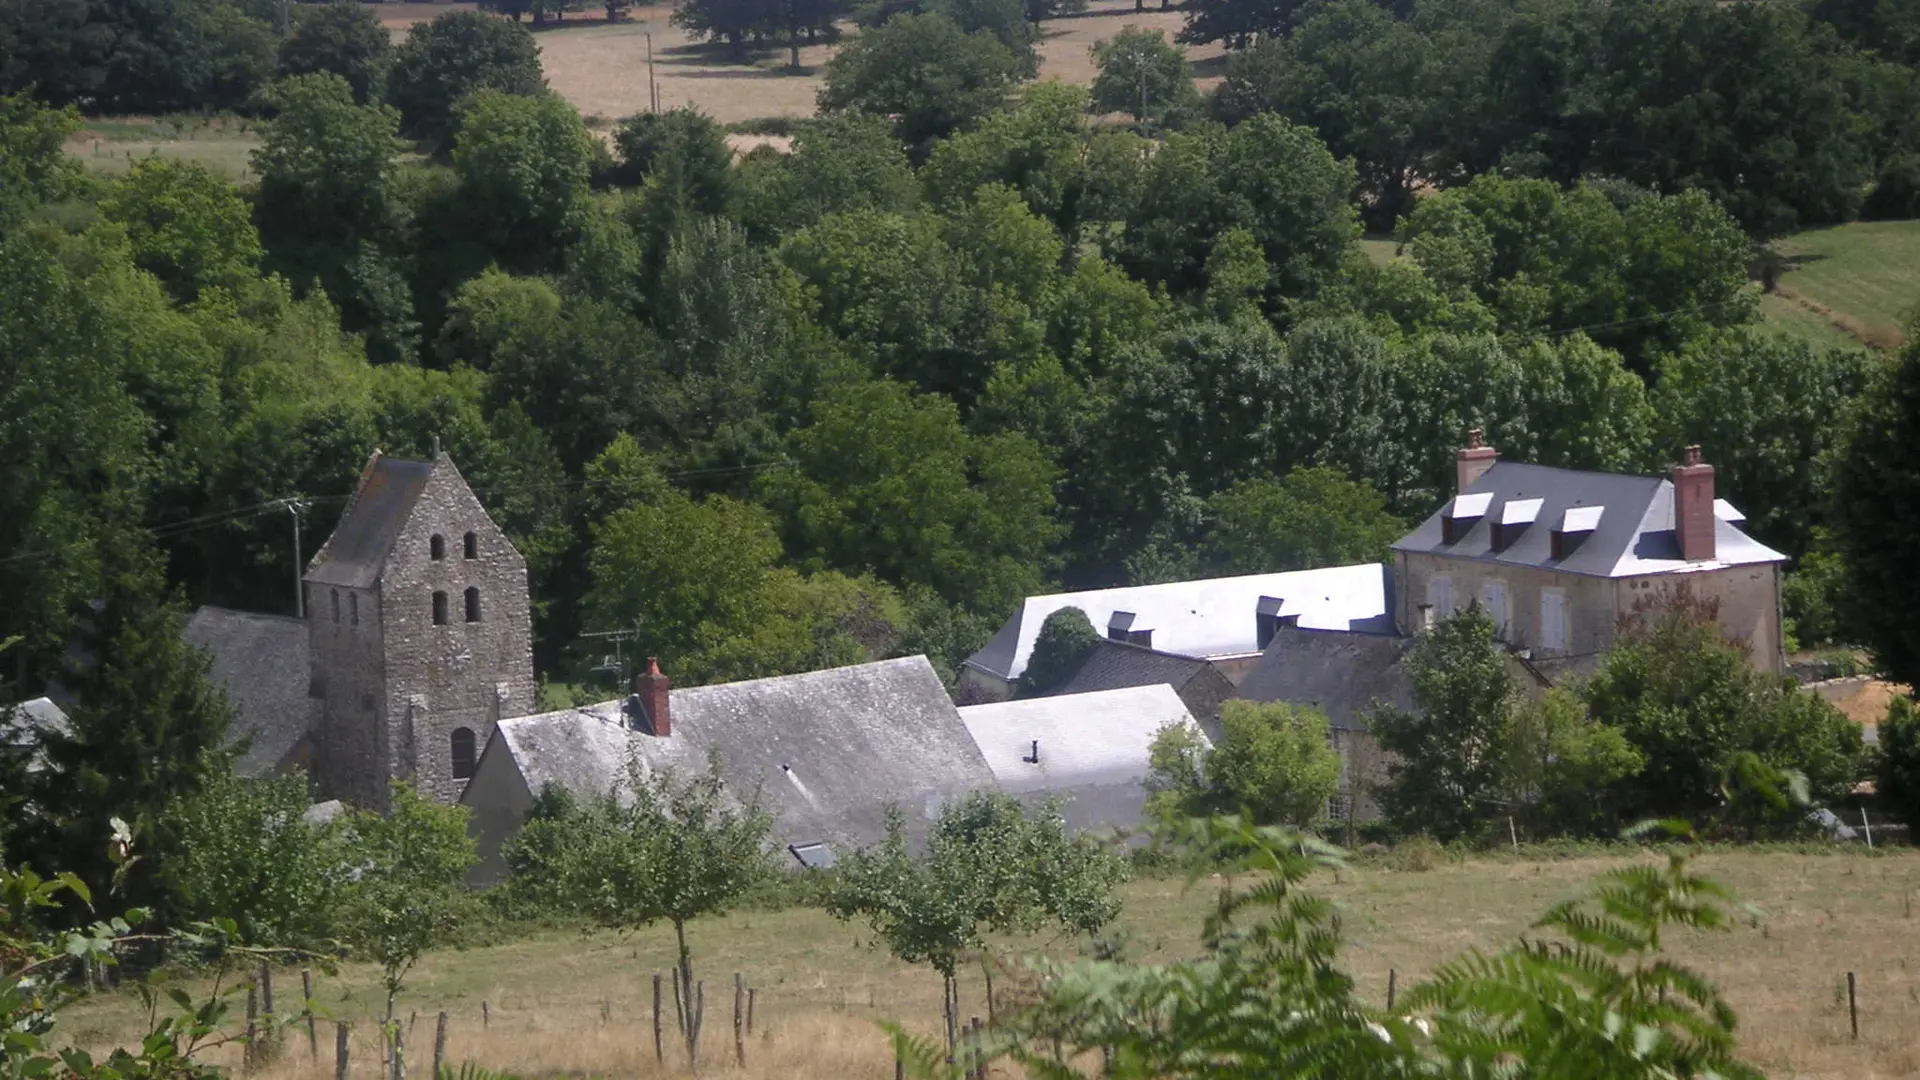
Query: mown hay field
point(1862, 278)
point(821, 989)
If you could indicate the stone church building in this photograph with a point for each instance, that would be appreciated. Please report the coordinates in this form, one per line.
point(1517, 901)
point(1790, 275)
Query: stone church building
point(417, 641)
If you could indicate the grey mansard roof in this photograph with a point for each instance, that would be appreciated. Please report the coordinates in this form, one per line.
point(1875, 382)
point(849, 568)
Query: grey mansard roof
point(1634, 535)
point(828, 749)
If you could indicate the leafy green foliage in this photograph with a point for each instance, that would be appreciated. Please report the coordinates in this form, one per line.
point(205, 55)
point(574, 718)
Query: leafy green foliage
point(1064, 642)
point(1448, 769)
point(988, 866)
point(1897, 773)
point(187, 227)
point(1313, 517)
point(344, 38)
point(408, 894)
point(244, 851)
point(1555, 759)
point(1594, 997)
point(528, 160)
point(664, 848)
point(1140, 73)
point(456, 54)
point(1876, 476)
point(34, 168)
point(1693, 706)
point(925, 72)
point(1274, 761)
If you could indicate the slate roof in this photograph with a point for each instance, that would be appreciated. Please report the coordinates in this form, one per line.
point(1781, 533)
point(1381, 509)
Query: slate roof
point(1092, 748)
point(1210, 617)
point(26, 725)
point(262, 660)
point(1634, 535)
point(1346, 675)
point(354, 555)
point(829, 749)
point(1115, 665)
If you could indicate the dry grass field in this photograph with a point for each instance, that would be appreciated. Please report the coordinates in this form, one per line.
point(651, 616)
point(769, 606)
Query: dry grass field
point(821, 989)
point(602, 68)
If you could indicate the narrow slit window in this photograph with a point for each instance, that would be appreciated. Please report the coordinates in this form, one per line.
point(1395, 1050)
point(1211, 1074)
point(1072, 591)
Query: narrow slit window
point(336, 605)
point(470, 545)
point(353, 608)
point(473, 604)
point(439, 609)
point(437, 547)
point(463, 753)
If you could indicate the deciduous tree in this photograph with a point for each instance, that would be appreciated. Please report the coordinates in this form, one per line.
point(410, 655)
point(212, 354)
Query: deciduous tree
point(342, 37)
point(923, 71)
point(1876, 479)
point(457, 54)
point(1313, 517)
point(1064, 642)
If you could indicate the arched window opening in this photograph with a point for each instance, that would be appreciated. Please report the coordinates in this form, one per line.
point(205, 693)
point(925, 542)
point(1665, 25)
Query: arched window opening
point(439, 609)
point(437, 547)
point(472, 545)
point(473, 604)
point(336, 605)
point(463, 753)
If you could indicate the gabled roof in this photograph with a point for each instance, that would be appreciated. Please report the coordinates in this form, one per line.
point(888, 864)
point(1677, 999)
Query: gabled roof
point(1633, 535)
point(262, 660)
point(1115, 665)
point(828, 749)
point(354, 555)
point(1345, 675)
point(1210, 617)
point(1092, 748)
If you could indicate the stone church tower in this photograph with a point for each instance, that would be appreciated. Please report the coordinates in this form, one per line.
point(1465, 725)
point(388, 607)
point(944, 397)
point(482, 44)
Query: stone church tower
point(420, 635)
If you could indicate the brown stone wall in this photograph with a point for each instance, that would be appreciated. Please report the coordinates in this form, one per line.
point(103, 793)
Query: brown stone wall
point(1590, 603)
point(1747, 599)
point(463, 674)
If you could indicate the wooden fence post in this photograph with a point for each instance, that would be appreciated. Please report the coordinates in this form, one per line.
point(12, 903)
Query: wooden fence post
point(976, 1061)
point(341, 1030)
point(486, 1015)
point(306, 1000)
point(752, 993)
point(739, 1020)
point(399, 1054)
point(253, 1027)
point(659, 1051)
point(699, 1017)
point(1392, 977)
point(439, 1044)
point(1853, 1008)
point(266, 992)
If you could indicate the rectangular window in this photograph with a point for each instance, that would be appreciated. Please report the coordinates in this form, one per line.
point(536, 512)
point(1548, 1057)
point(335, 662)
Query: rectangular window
point(1553, 620)
point(1440, 596)
point(1493, 597)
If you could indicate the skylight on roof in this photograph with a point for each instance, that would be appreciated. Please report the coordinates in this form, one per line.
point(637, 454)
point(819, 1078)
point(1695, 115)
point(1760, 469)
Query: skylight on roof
point(813, 856)
point(1581, 518)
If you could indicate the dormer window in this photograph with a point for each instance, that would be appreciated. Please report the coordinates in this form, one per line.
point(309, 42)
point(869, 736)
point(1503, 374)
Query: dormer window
point(437, 547)
point(1121, 627)
point(1266, 620)
point(470, 546)
point(1515, 516)
point(1463, 513)
point(1577, 523)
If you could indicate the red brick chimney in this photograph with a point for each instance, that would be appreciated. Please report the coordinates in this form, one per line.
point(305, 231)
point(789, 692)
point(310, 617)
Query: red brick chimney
point(1473, 462)
point(1693, 507)
point(650, 701)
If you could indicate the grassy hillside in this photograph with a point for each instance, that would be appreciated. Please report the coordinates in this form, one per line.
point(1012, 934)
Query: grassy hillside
point(821, 988)
point(111, 147)
point(1862, 279)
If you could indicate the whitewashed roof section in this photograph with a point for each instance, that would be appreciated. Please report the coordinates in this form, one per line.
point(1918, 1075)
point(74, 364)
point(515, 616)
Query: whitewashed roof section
point(1210, 617)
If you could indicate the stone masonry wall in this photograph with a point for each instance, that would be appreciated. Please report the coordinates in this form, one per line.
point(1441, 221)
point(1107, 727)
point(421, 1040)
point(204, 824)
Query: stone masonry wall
point(347, 661)
point(463, 674)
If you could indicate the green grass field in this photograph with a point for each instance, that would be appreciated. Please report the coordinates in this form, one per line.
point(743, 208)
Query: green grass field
point(112, 146)
point(1863, 279)
point(580, 1004)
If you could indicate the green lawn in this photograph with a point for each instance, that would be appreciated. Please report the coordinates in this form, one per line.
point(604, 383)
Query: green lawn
point(112, 146)
point(1865, 275)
